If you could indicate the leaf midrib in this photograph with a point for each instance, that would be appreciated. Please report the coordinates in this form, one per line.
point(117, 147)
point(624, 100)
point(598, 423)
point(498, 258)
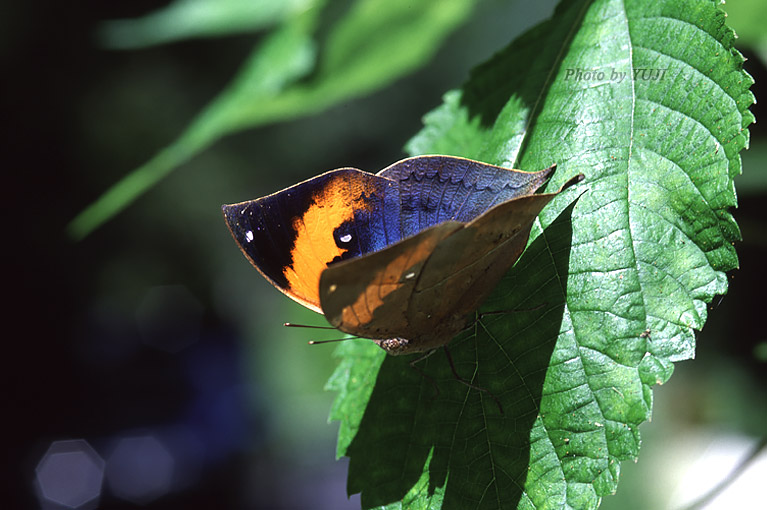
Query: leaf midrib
point(566, 310)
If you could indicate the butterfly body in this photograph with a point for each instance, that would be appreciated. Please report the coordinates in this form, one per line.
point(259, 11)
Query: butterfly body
point(401, 257)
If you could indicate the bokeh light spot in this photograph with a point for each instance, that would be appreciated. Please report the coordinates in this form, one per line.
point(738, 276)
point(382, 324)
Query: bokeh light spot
point(70, 474)
point(140, 469)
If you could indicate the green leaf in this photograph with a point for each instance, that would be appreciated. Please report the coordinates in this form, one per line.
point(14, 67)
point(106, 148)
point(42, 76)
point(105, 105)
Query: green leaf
point(376, 42)
point(621, 266)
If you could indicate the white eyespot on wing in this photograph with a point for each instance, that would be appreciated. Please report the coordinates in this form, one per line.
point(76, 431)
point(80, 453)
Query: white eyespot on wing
point(345, 238)
point(249, 236)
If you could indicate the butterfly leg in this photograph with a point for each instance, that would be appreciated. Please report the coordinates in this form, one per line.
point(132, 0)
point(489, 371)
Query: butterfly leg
point(467, 383)
point(424, 374)
point(480, 315)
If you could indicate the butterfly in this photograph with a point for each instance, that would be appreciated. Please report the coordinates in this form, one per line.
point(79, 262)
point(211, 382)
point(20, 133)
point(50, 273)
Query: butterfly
point(404, 256)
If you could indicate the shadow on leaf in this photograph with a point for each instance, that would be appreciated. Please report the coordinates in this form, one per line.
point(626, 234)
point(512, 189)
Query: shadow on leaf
point(473, 455)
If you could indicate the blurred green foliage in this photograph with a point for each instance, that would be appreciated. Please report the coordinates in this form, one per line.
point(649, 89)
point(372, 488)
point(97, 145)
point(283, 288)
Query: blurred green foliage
point(185, 19)
point(289, 75)
point(747, 17)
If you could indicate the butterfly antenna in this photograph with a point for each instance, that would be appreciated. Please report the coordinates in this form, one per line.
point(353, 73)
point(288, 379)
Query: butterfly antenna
point(317, 342)
point(308, 326)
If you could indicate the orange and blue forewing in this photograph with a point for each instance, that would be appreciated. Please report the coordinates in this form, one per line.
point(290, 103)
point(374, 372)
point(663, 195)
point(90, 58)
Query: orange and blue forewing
point(406, 212)
point(293, 235)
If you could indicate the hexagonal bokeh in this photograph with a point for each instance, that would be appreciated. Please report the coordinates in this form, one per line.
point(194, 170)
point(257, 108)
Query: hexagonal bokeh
point(140, 469)
point(70, 474)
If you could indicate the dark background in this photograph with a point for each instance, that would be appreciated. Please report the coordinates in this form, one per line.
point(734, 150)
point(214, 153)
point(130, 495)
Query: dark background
point(154, 326)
